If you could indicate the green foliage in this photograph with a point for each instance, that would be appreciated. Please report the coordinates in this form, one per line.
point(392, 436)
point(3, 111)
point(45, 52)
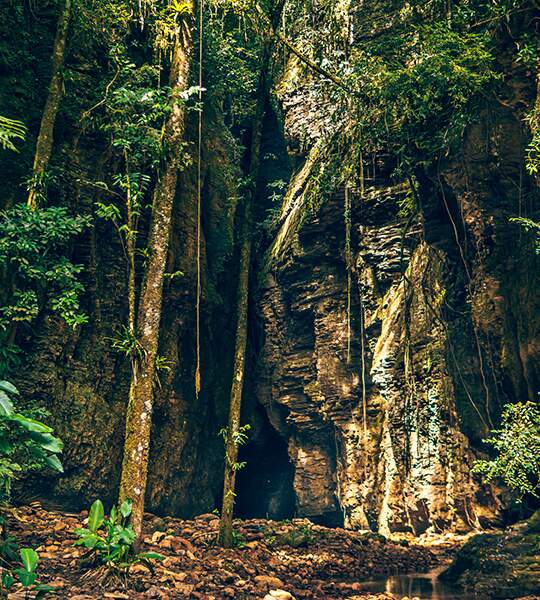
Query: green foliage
point(8, 544)
point(30, 560)
point(10, 358)
point(127, 343)
point(26, 444)
point(420, 88)
point(276, 190)
point(238, 540)
point(240, 438)
point(110, 540)
point(517, 444)
point(415, 75)
point(231, 62)
point(530, 226)
point(11, 130)
point(32, 246)
point(134, 114)
point(297, 537)
point(26, 575)
point(528, 50)
point(533, 150)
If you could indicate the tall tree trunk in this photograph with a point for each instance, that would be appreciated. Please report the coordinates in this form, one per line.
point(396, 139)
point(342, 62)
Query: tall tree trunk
point(141, 394)
point(231, 438)
point(45, 137)
point(130, 251)
point(231, 444)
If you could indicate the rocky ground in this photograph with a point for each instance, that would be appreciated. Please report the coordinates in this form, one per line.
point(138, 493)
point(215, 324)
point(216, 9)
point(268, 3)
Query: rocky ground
point(500, 565)
point(273, 560)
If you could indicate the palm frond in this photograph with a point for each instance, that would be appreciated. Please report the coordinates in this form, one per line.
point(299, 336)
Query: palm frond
point(10, 130)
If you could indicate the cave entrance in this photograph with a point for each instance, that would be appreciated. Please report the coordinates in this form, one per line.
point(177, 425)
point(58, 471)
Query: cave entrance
point(265, 485)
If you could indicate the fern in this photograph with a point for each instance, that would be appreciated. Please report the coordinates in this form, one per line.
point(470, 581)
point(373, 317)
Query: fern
point(11, 129)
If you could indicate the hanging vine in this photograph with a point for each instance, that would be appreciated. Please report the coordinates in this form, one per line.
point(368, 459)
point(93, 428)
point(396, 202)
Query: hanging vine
point(199, 203)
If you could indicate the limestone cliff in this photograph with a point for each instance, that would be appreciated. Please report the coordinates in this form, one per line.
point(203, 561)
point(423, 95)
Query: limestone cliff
point(382, 372)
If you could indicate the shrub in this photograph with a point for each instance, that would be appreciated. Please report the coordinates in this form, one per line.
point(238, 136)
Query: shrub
point(517, 443)
point(26, 444)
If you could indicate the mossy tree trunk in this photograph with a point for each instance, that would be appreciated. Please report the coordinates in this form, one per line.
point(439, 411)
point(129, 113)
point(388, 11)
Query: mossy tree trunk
point(233, 429)
point(141, 394)
point(231, 438)
point(44, 142)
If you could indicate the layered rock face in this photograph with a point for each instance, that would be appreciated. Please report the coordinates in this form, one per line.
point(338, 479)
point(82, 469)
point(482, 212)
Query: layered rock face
point(392, 339)
point(361, 386)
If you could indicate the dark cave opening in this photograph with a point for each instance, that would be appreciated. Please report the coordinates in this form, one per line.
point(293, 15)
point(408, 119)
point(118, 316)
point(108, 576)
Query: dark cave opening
point(265, 485)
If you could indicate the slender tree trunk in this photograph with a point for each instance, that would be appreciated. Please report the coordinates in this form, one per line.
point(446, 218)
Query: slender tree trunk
point(130, 251)
point(45, 137)
point(231, 446)
point(231, 438)
point(141, 395)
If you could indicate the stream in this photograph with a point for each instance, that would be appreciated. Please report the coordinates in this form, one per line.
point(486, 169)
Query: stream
point(426, 586)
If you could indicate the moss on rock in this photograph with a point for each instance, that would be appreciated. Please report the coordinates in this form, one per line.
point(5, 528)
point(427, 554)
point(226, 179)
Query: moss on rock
point(504, 565)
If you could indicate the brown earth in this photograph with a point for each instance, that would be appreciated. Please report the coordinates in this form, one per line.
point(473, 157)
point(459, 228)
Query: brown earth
point(297, 557)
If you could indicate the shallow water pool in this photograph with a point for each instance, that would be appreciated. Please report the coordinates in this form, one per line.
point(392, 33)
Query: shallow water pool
point(426, 586)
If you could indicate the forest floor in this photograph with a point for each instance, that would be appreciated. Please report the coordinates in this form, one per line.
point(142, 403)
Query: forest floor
point(272, 560)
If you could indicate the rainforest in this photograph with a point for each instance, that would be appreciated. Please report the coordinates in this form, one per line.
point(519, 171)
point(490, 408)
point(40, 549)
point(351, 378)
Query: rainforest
point(269, 301)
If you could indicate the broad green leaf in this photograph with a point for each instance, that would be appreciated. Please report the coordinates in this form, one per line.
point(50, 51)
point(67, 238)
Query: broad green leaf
point(113, 515)
point(89, 541)
point(126, 507)
point(127, 537)
point(96, 516)
point(5, 444)
point(5, 386)
point(29, 558)
point(47, 441)
point(27, 578)
point(6, 406)
point(30, 424)
point(7, 579)
point(54, 462)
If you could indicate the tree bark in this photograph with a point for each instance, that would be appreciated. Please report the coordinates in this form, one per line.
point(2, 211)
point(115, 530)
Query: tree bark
point(231, 443)
point(141, 394)
point(231, 446)
point(44, 142)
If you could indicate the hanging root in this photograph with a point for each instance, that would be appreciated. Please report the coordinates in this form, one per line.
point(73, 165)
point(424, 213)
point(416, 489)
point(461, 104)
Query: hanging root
point(348, 264)
point(199, 194)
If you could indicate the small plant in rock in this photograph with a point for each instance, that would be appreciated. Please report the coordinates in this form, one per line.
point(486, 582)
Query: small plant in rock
point(110, 540)
point(26, 575)
point(300, 536)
